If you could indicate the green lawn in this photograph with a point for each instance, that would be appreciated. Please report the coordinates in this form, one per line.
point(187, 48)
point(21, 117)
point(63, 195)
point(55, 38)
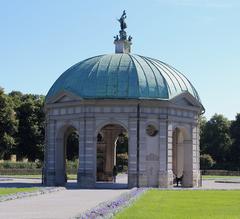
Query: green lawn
point(8, 191)
point(70, 176)
point(23, 176)
point(156, 204)
point(219, 177)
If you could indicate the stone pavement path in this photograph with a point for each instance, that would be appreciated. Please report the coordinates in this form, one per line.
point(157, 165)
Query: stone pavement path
point(58, 205)
point(66, 203)
point(219, 184)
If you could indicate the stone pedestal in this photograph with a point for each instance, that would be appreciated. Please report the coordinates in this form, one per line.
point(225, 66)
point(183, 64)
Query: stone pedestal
point(122, 46)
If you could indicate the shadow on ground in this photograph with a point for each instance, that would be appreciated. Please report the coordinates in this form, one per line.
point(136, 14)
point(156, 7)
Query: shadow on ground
point(11, 182)
point(99, 185)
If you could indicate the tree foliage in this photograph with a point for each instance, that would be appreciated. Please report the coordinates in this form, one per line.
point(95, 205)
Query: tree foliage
point(216, 140)
point(23, 122)
point(31, 128)
point(72, 146)
point(8, 126)
point(235, 149)
point(206, 162)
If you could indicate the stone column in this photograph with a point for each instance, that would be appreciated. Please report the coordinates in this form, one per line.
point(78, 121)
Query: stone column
point(143, 181)
point(87, 153)
point(110, 136)
point(196, 156)
point(132, 152)
point(50, 171)
point(165, 161)
point(191, 174)
point(188, 164)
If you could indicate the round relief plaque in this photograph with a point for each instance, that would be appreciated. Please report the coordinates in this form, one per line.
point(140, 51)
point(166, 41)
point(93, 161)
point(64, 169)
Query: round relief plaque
point(151, 130)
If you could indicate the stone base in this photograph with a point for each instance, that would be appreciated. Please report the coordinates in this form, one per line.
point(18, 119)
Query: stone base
point(143, 181)
point(50, 183)
point(165, 179)
point(191, 179)
point(132, 180)
point(86, 180)
point(197, 179)
point(49, 178)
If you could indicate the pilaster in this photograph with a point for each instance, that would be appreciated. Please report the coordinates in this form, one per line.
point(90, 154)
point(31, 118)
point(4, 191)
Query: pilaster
point(132, 150)
point(50, 171)
point(165, 161)
point(87, 153)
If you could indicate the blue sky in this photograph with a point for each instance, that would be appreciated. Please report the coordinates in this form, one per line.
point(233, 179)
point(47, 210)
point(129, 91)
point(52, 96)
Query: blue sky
point(201, 38)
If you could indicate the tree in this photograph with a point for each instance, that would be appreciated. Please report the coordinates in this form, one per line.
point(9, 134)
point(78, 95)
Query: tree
point(30, 137)
point(72, 146)
point(122, 144)
point(17, 98)
point(216, 140)
point(235, 149)
point(8, 126)
point(202, 125)
point(206, 162)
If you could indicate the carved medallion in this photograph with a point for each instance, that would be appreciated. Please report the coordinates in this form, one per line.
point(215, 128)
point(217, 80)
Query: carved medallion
point(151, 130)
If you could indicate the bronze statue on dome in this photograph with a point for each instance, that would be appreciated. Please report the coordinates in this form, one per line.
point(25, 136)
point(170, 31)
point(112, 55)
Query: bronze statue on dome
point(122, 22)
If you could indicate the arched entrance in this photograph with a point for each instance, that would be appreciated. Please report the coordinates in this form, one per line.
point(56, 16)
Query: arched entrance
point(181, 157)
point(112, 155)
point(67, 155)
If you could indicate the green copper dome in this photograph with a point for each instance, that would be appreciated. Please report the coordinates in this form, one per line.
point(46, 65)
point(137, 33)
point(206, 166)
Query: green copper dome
point(122, 76)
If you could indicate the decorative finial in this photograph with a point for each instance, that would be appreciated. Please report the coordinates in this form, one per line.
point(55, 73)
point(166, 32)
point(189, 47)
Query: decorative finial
point(121, 41)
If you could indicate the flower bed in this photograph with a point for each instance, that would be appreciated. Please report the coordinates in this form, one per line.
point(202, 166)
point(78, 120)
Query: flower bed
point(39, 191)
point(110, 208)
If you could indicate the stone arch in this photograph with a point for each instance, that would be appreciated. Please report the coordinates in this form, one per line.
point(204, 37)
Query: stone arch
point(60, 152)
point(111, 130)
point(182, 154)
point(110, 121)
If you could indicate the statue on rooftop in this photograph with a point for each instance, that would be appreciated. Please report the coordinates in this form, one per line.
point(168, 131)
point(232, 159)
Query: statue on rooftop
point(122, 22)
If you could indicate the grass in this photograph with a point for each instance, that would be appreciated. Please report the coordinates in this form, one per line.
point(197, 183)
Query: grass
point(219, 177)
point(8, 191)
point(155, 204)
point(22, 176)
point(70, 176)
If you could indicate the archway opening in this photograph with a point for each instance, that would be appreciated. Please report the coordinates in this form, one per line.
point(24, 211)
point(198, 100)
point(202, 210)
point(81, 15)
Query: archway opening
point(178, 157)
point(67, 156)
point(182, 156)
point(72, 155)
point(112, 155)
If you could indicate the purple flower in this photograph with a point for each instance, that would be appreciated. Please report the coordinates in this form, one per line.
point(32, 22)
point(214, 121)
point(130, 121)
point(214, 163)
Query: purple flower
point(112, 207)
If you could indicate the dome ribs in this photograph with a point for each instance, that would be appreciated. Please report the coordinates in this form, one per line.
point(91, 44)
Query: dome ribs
point(144, 91)
point(163, 91)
